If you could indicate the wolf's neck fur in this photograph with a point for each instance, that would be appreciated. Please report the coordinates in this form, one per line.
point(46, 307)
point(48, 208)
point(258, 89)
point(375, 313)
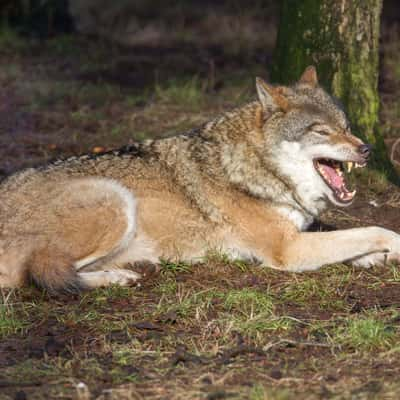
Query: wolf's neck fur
point(232, 149)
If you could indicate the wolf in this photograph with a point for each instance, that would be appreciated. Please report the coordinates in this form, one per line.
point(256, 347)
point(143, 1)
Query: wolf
point(248, 183)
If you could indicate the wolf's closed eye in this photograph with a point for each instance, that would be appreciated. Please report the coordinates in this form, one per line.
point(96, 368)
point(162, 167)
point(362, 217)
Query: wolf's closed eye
point(320, 129)
point(321, 132)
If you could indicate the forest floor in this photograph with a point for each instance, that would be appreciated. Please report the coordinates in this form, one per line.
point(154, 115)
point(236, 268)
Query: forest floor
point(218, 329)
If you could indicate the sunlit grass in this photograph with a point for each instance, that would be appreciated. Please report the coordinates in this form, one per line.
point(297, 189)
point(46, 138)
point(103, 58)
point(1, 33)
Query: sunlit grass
point(248, 302)
point(365, 333)
point(303, 291)
point(174, 267)
point(15, 316)
point(186, 93)
point(10, 322)
point(260, 392)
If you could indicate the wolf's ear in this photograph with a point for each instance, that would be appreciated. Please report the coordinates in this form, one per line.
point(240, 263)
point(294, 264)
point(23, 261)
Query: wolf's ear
point(309, 76)
point(270, 97)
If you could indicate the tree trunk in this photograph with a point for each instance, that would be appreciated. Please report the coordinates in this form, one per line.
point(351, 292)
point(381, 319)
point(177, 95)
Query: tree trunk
point(341, 38)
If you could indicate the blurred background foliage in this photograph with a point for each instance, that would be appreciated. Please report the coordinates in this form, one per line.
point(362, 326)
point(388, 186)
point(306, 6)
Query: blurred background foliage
point(42, 18)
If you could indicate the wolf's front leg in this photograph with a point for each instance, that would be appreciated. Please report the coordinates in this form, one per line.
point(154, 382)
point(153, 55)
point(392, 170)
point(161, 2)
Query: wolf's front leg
point(361, 246)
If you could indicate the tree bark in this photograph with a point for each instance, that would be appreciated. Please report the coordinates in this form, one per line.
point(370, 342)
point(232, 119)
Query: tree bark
point(341, 38)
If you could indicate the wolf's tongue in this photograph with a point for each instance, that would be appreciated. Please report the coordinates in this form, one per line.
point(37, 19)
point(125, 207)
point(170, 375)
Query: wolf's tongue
point(334, 178)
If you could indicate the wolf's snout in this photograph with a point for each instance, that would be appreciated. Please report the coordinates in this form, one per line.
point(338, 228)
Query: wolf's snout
point(365, 150)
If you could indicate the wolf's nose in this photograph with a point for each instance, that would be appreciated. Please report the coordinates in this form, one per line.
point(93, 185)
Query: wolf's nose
point(365, 150)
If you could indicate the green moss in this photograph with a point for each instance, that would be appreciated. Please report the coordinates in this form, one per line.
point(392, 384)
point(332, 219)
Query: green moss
point(305, 35)
point(317, 32)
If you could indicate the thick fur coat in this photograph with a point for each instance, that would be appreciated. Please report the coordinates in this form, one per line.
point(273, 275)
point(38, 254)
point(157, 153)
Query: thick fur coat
point(248, 184)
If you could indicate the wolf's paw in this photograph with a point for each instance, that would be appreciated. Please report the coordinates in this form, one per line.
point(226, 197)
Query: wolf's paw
point(378, 259)
point(122, 277)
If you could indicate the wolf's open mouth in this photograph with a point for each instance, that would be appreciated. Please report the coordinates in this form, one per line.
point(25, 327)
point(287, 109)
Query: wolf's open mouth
point(332, 172)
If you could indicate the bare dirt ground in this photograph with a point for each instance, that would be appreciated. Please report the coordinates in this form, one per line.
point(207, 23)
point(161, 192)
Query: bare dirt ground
point(219, 329)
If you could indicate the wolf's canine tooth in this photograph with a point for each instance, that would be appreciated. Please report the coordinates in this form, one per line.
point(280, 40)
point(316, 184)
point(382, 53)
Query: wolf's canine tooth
point(349, 166)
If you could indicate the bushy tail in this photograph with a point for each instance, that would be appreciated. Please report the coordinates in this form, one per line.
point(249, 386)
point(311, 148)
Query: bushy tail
point(55, 272)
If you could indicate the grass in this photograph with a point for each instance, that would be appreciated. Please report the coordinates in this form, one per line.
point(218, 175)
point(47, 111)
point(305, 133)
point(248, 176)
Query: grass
point(301, 292)
point(251, 313)
point(174, 267)
point(11, 42)
point(44, 95)
point(248, 302)
point(186, 93)
point(366, 333)
point(10, 322)
point(15, 316)
point(187, 303)
point(256, 327)
point(259, 392)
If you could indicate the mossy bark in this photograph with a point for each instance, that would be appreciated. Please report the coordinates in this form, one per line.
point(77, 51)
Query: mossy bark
point(341, 38)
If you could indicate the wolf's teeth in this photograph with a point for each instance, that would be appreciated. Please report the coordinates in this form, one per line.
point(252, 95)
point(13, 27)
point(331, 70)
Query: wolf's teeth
point(341, 195)
point(353, 193)
point(357, 165)
point(349, 166)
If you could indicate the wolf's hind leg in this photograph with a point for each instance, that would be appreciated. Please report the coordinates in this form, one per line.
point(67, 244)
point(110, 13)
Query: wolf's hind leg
point(89, 223)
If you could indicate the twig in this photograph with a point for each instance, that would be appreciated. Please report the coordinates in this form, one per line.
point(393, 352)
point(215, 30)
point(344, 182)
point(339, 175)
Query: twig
point(239, 350)
point(295, 343)
point(392, 152)
point(5, 384)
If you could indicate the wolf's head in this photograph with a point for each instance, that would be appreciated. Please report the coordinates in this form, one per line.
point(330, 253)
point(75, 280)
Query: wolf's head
point(307, 137)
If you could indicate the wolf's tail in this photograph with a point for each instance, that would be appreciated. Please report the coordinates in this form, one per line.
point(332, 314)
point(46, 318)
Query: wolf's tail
point(55, 272)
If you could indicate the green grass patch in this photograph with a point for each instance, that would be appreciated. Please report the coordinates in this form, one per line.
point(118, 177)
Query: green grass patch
point(186, 93)
point(251, 312)
point(178, 267)
point(79, 316)
point(15, 315)
point(248, 302)
point(167, 287)
point(311, 289)
point(255, 327)
point(44, 94)
point(11, 42)
point(366, 333)
point(105, 295)
point(10, 322)
point(259, 392)
point(188, 304)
